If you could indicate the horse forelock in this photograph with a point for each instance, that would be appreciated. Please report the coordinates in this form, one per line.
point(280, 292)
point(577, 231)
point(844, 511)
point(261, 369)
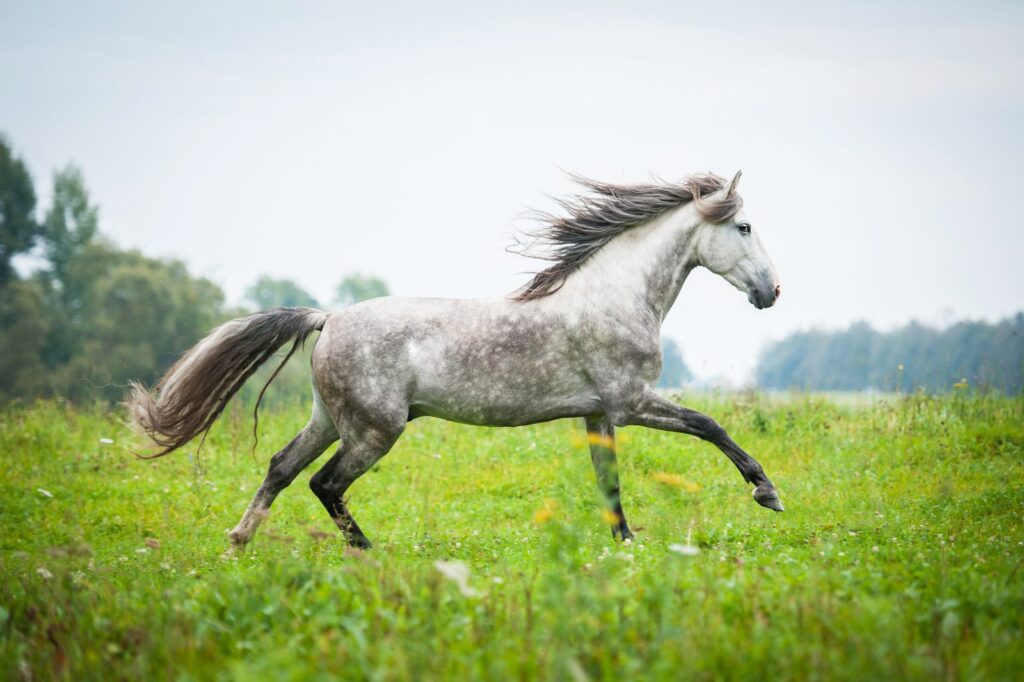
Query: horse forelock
point(593, 218)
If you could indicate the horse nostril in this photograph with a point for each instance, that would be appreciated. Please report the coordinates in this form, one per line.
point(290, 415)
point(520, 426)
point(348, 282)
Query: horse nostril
point(778, 290)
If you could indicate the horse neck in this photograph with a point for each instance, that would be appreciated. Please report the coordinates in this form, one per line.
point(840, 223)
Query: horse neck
point(644, 267)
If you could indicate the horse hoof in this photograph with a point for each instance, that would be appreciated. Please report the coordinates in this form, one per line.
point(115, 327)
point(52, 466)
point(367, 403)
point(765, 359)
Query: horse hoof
point(359, 542)
point(233, 551)
point(238, 543)
point(767, 496)
point(622, 533)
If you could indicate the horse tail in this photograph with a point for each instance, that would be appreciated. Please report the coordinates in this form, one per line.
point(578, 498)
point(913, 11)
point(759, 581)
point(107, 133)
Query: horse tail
point(194, 391)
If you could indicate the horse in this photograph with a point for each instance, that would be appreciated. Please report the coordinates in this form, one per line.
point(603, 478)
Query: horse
point(580, 339)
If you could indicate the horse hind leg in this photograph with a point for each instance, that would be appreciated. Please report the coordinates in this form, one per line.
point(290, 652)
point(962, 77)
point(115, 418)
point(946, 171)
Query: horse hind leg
point(355, 456)
point(284, 467)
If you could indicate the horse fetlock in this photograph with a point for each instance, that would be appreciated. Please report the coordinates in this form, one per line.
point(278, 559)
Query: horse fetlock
point(239, 539)
point(241, 534)
point(246, 528)
point(767, 496)
point(352, 532)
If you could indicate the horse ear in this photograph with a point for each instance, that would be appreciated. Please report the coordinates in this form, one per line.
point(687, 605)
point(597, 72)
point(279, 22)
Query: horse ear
point(732, 185)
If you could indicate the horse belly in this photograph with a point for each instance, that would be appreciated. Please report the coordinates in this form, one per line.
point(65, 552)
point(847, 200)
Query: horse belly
point(509, 391)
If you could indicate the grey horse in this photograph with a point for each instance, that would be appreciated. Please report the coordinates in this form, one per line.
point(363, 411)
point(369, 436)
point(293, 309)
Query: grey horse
point(581, 339)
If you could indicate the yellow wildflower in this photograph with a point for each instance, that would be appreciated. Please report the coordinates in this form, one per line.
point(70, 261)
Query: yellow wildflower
point(593, 439)
point(601, 440)
point(676, 481)
point(545, 513)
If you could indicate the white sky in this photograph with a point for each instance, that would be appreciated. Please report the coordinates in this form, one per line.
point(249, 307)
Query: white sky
point(880, 143)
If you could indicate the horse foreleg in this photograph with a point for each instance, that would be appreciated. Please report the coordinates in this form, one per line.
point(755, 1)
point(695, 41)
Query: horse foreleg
point(659, 413)
point(601, 437)
point(284, 467)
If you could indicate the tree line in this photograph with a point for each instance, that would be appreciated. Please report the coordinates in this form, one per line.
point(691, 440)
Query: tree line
point(90, 315)
point(979, 354)
point(86, 316)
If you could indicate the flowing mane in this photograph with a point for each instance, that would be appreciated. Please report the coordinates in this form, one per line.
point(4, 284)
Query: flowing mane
point(605, 211)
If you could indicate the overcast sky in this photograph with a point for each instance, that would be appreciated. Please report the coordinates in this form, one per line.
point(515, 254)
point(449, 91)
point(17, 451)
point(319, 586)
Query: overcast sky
point(880, 142)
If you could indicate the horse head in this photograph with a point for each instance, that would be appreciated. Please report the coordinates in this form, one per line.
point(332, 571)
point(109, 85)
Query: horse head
point(728, 245)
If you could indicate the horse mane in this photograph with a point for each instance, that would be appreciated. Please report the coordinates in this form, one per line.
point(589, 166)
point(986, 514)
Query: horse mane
point(606, 210)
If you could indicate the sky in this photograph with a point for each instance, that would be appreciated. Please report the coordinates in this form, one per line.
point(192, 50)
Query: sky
point(880, 142)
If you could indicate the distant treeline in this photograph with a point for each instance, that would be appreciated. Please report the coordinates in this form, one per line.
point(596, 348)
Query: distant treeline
point(674, 371)
point(91, 316)
point(978, 354)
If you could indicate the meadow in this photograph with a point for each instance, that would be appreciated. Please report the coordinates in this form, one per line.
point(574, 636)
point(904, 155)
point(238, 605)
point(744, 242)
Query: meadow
point(898, 557)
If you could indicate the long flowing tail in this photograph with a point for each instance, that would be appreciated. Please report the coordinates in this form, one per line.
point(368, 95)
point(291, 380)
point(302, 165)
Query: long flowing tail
point(195, 390)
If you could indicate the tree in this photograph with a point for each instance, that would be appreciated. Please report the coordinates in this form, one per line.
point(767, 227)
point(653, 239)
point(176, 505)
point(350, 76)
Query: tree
point(268, 292)
point(18, 227)
point(356, 287)
point(70, 225)
point(96, 315)
point(25, 324)
point(138, 315)
point(674, 372)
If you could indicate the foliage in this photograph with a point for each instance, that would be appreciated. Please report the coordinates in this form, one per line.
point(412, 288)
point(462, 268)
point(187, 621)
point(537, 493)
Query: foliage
point(356, 287)
point(95, 315)
point(24, 328)
point(898, 556)
point(268, 292)
point(138, 315)
point(18, 227)
point(134, 317)
point(674, 371)
point(858, 358)
point(71, 225)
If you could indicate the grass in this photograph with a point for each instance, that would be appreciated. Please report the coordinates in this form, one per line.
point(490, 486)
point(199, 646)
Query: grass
point(899, 555)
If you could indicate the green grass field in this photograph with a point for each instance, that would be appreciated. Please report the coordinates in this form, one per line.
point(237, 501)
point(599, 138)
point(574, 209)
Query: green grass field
point(899, 555)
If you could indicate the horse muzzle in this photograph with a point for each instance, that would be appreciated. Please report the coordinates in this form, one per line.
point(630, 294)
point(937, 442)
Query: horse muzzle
point(764, 297)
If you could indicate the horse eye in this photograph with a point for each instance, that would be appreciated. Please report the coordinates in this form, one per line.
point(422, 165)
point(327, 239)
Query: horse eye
point(744, 228)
